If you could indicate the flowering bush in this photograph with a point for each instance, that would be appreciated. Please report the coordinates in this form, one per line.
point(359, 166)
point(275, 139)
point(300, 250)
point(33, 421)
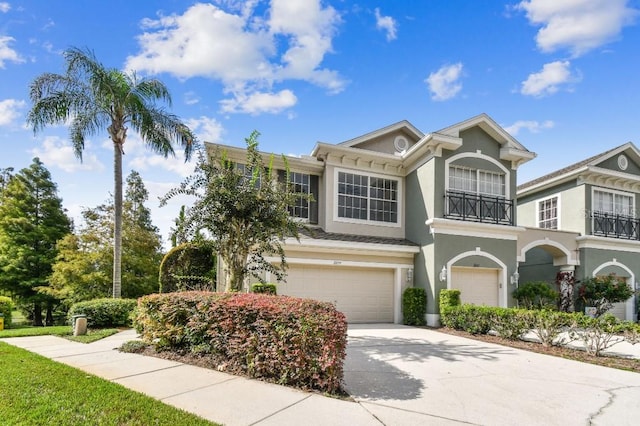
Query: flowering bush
point(297, 342)
point(603, 292)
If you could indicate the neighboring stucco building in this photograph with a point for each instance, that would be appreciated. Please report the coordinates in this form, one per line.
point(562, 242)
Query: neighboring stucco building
point(396, 208)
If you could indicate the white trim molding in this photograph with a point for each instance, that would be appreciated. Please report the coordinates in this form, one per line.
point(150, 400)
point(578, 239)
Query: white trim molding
point(480, 155)
point(568, 259)
point(473, 229)
point(503, 294)
point(558, 211)
point(605, 243)
point(631, 303)
point(399, 200)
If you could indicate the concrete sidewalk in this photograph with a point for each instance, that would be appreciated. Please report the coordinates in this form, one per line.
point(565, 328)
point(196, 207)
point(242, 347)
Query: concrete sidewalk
point(219, 397)
point(398, 376)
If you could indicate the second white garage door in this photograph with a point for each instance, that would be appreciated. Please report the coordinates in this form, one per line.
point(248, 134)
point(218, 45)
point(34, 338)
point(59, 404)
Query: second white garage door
point(362, 294)
point(478, 286)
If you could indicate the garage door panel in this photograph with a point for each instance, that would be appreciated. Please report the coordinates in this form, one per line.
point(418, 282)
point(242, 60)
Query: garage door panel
point(363, 295)
point(478, 286)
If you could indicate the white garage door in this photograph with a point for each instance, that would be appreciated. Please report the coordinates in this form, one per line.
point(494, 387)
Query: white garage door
point(478, 286)
point(363, 295)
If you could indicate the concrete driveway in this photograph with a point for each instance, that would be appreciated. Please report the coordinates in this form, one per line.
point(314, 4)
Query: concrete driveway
point(412, 376)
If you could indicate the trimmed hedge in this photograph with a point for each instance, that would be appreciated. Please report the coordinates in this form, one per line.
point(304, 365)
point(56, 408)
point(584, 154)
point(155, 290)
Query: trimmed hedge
point(105, 312)
point(414, 306)
point(291, 341)
point(6, 307)
point(264, 288)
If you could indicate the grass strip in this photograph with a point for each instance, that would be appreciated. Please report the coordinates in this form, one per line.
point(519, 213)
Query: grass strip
point(39, 391)
point(58, 330)
point(93, 335)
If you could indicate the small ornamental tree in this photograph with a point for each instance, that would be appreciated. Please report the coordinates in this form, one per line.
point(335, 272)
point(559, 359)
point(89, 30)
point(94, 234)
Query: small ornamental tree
point(602, 292)
point(566, 282)
point(244, 210)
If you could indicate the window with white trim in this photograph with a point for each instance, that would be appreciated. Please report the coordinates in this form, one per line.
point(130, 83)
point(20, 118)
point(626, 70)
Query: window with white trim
point(477, 181)
point(615, 203)
point(300, 184)
point(548, 213)
point(366, 197)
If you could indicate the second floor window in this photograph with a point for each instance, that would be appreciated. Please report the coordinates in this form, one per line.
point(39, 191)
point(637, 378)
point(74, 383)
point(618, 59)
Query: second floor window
point(613, 203)
point(476, 181)
point(548, 213)
point(301, 184)
point(367, 198)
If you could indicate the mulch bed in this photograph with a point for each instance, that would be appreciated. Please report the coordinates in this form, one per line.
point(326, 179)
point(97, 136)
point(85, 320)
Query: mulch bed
point(629, 364)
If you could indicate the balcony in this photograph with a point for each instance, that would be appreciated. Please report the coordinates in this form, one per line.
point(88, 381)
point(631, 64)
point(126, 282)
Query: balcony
point(615, 226)
point(478, 208)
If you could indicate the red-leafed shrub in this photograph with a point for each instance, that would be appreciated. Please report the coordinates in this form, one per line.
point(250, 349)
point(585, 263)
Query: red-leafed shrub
point(296, 342)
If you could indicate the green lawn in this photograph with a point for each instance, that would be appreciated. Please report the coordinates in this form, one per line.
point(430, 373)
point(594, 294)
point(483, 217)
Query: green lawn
point(61, 330)
point(23, 331)
point(38, 391)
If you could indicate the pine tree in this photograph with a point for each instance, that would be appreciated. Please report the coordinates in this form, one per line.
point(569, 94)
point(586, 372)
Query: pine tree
point(32, 221)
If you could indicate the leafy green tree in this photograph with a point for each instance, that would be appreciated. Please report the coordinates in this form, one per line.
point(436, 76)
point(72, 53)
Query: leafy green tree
point(5, 176)
point(85, 261)
point(177, 234)
point(603, 292)
point(244, 209)
point(92, 98)
point(32, 221)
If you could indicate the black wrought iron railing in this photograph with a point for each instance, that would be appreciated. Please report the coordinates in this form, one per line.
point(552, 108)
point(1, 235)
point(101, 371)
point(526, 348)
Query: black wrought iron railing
point(478, 208)
point(615, 226)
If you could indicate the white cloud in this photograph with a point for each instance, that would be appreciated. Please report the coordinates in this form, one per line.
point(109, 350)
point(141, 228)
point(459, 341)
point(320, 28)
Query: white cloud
point(206, 129)
point(59, 153)
point(386, 23)
point(577, 25)
point(258, 103)
point(10, 111)
point(444, 84)
point(7, 53)
point(4, 7)
point(191, 98)
point(287, 41)
point(531, 125)
point(548, 80)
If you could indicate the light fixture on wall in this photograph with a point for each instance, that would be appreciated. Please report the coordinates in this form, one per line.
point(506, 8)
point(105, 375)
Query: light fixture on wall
point(443, 273)
point(515, 277)
point(410, 275)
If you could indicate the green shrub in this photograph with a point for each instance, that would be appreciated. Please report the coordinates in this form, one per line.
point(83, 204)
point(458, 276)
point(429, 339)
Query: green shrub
point(598, 333)
point(6, 307)
point(291, 341)
point(189, 266)
point(548, 325)
point(470, 318)
point(509, 323)
point(449, 299)
point(105, 312)
point(264, 288)
point(536, 295)
point(414, 306)
point(603, 292)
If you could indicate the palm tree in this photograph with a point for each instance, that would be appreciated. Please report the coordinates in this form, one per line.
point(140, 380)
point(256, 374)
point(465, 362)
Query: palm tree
point(90, 97)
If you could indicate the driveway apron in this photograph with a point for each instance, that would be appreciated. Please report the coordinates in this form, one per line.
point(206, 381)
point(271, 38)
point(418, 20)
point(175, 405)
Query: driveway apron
point(409, 376)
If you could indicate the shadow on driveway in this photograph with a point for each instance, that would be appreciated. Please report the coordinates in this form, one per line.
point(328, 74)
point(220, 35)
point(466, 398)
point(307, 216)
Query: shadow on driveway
point(382, 368)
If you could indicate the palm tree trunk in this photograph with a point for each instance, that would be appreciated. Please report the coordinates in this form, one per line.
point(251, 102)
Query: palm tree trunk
point(117, 228)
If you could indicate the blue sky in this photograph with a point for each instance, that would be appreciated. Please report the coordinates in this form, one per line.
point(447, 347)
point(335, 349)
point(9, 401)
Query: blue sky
point(561, 76)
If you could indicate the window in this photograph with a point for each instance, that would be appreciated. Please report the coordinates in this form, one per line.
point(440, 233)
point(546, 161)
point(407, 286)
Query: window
point(301, 184)
point(548, 213)
point(365, 197)
point(482, 182)
point(614, 203)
